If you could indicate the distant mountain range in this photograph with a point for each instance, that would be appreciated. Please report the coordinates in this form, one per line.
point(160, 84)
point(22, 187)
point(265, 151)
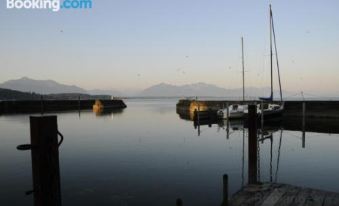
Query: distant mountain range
point(203, 90)
point(26, 84)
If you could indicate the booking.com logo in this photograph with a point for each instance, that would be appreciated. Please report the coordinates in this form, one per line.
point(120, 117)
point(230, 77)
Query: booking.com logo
point(53, 5)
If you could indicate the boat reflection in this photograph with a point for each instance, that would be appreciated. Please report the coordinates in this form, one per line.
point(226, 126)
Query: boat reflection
point(104, 112)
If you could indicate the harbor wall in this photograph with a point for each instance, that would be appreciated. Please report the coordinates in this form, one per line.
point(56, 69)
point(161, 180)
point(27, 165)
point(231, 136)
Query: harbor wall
point(8, 107)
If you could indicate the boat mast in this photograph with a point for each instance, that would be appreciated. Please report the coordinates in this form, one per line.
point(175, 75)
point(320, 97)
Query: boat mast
point(243, 69)
point(276, 57)
point(271, 53)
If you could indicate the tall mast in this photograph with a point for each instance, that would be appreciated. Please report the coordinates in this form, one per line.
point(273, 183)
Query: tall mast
point(243, 69)
point(271, 52)
point(276, 57)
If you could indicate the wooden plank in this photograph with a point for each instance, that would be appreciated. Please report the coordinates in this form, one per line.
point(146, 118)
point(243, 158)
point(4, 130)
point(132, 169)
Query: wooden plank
point(331, 199)
point(315, 198)
point(283, 195)
point(252, 194)
point(289, 196)
point(274, 196)
point(301, 197)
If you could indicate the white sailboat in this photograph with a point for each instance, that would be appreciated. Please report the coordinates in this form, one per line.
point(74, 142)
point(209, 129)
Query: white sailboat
point(236, 111)
point(268, 108)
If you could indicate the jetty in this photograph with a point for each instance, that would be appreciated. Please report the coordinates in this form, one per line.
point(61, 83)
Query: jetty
point(274, 194)
point(271, 193)
point(42, 106)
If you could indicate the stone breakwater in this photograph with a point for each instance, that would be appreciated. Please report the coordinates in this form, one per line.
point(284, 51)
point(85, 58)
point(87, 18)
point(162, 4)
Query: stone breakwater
point(8, 107)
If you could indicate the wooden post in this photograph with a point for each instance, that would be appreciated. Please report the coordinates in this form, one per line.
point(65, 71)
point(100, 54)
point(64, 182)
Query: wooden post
point(79, 106)
point(228, 110)
point(303, 125)
point(225, 190)
point(262, 114)
point(41, 104)
point(228, 121)
point(252, 144)
point(179, 202)
point(45, 161)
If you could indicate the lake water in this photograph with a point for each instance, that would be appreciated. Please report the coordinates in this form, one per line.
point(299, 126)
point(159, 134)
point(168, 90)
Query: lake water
point(147, 155)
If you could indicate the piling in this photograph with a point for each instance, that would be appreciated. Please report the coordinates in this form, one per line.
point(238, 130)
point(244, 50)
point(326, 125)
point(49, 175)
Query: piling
point(228, 121)
point(179, 202)
point(252, 144)
point(41, 104)
point(225, 190)
point(45, 161)
point(303, 125)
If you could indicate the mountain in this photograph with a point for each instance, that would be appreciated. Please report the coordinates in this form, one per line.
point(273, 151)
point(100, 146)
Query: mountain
point(168, 90)
point(202, 90)
point(40, 86)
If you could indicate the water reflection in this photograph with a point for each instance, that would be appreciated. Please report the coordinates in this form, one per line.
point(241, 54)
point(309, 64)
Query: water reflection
point(104, 112)
point(147, 157)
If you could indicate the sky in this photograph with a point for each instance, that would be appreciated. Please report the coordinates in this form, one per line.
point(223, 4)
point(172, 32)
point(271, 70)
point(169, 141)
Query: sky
point(133, 44)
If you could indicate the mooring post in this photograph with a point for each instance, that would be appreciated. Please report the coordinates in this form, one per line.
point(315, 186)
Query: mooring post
point(262, 114)
point(252, 144)
point(225, 190)
point(228, 121)
point(41, 104)
point(45, 161)
point(79, 106)
point(210, 117)
point(228, 110)
point(304, 125)
point(179, 202)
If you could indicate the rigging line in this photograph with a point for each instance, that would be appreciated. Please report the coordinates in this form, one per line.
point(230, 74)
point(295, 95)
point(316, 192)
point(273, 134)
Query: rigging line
point(278, 160)
point(276, 55)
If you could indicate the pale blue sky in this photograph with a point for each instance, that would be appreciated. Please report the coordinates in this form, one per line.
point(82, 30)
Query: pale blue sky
point(133, 44)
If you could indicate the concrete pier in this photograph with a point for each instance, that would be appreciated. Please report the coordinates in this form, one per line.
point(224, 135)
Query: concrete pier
point(41, 106)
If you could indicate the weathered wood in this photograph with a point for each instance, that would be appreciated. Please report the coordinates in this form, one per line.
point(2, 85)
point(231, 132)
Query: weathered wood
point(252, 144)
point(315, 198)
point(289, 196)
point(331, 199)
point(225, 190)
point(301, 197)
point(45, 161)
point(272, 194)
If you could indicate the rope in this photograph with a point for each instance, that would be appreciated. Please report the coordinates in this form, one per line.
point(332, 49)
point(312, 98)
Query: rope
point(61, 138)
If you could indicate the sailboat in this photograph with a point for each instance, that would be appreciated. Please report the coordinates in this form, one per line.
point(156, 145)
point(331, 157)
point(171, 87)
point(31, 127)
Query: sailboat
point(236, 111)
point(269, 109)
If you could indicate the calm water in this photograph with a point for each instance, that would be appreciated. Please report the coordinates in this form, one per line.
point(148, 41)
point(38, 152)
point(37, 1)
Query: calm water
point(147, 155)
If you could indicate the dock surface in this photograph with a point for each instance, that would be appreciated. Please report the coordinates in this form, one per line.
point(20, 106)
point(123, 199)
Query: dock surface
point(273, 194)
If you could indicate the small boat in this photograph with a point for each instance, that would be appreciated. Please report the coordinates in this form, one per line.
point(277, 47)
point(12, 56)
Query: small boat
point(236, 111)
point(271, 109)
